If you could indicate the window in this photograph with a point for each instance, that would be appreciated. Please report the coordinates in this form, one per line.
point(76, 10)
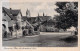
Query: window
point(4, 25)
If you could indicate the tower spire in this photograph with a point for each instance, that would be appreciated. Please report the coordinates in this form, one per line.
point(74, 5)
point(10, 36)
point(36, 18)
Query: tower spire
point(28, 13)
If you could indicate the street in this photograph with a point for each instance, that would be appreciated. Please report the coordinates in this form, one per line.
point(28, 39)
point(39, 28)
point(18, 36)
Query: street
point(42, 40)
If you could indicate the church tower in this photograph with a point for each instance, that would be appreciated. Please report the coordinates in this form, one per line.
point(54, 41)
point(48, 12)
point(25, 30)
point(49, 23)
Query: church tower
point(28, 13)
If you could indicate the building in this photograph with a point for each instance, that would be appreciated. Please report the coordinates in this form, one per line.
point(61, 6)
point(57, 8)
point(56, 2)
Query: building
point(42, 18)
point(28, 13)
point(27, 26)
point(50, 26)
point(38, 22)
point(9, 18)
point(34, 22)
point(31, 20)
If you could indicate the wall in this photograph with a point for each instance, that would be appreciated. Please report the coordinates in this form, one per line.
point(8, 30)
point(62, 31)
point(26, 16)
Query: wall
point(11, 23)
point(19, 32)
point(6, 23)
point(19, 19)
point(7, 18)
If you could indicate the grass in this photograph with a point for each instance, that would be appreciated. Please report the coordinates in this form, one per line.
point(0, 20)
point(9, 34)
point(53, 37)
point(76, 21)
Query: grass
point(70, 39)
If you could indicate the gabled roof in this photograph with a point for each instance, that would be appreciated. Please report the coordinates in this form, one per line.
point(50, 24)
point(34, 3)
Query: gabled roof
point(15, 12)
point(31, 19)
point(11, 13)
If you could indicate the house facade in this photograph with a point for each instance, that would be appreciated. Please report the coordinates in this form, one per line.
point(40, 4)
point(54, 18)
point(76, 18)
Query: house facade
point(27, 27)
point(50, 26)
point(9, 19)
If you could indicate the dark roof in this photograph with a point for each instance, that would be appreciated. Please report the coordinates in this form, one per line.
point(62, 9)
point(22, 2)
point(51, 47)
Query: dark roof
point(11, 13)
point(36, 19)
point(28, 19)
point(43, 18)
point(15, 12)
point(51, 21)
point(24, 18)
point(31, 19)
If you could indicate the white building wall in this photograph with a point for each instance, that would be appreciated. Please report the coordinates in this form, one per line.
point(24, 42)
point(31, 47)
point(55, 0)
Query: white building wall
point(19, 19)
point(6, 23)
point(19, 32)
point(7, 18)
point(11, 23)
point(24, 24)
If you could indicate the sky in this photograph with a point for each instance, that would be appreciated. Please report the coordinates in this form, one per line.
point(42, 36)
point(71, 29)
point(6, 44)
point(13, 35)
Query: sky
point(48, 8)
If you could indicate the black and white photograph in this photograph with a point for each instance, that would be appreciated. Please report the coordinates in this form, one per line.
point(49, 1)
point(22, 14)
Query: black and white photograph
point(40, 24)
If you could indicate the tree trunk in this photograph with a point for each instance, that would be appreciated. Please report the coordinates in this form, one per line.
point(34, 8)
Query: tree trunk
point(76, 32)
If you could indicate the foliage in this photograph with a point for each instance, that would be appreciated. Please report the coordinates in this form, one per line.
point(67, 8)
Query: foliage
point(22, 28)
point(17, 27)
point(68, 14)
point(10, 28)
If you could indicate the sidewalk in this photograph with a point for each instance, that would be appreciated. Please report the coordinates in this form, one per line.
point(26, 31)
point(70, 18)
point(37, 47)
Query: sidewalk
point(11, 38)
point(6, 39)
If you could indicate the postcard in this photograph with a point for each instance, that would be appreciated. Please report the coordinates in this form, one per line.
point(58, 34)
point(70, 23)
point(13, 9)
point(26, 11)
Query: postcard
point(39, 25)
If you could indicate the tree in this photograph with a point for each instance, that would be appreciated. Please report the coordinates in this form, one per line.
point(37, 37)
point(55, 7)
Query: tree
point(68, 15)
